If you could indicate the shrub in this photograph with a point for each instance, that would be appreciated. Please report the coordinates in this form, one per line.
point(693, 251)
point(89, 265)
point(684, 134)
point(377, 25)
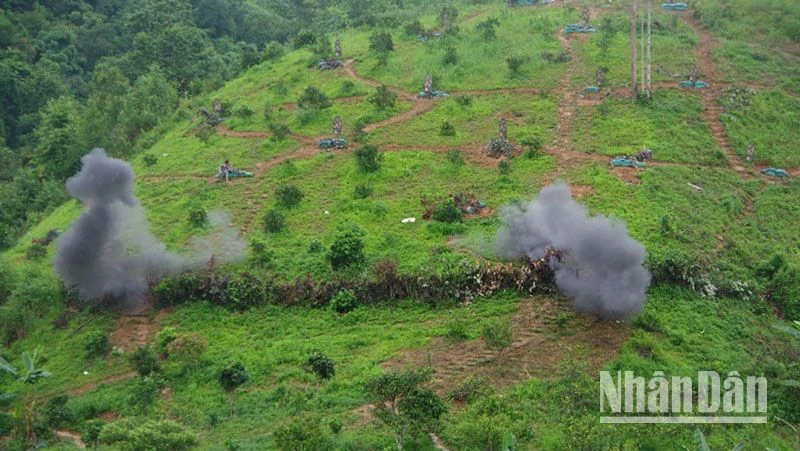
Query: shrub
point(504, 167)
point(144, 362)
point(785, 291)
point(177, 290)
point(279, 131)
point(497, 335)
point(91, 431)
point(383, 98)
point(368, 158)
point(288, 195)
point(413, 28)
point(447, 129)
point(314, 100)
point(304, 38)
point(515, 64)
point(450, 56)
point(144, 395)
point(260, 254)
point(456, 331)
point(465, 100)
point(347, 88)
point(55, 413)
point(315, 247)
point(232, 376)
point(381, 42)
point(321, 365)
point(244, 111)
point(470, 389)
point(36, 252)
point(198, 217)
point(7, 279)
point(344, 301)
point(245, 292)
point(274, 220)
point(488, 28)
point(362, 191)
point(532, 142)
point(164, 337)
point(134, 434)
point(187, 349)
point(455, 157)
point(96, 345)
point(149, 159)
point(301, 434)
point(205, 133)
point(447, 211)
point(347, 249)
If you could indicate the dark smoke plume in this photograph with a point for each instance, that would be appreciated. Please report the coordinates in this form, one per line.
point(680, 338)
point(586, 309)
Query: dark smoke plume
point(109, 251)
point(602, 268)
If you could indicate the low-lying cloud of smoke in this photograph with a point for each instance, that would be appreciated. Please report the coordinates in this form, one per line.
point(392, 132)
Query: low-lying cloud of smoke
point(109, 251)
point(602, 269)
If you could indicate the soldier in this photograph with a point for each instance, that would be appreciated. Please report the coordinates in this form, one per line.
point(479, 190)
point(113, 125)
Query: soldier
point(585, 17)
point(446, 21)
point(751, 152)
point(427, 87)
point(503, 130)
point(338, 48)
point(601, 76)
point(218, 107)
point(693, 74)
point(337, 126)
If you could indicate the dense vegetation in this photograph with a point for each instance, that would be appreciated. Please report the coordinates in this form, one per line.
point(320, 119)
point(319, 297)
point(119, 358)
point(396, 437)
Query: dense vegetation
point(370, 309)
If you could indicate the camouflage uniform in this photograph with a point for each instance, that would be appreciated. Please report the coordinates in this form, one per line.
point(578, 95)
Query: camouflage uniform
point(503, 128)
point(601, 76)
point(337, 126)
point(427, 87)
point(338, 47)
point(751, 152)
point(585, 17)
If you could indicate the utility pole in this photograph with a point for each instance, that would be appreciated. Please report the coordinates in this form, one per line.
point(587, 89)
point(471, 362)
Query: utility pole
point(633, 50)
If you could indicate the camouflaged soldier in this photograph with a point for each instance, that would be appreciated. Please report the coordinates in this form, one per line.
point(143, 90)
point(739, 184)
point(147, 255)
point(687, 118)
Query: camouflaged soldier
point(601, 76)
point(503, 129)
point(337, 126)
point(338, 48)
point(585, 17)
point(751, 152)
point(446, 21)
point(693, 73)
point(427, 87)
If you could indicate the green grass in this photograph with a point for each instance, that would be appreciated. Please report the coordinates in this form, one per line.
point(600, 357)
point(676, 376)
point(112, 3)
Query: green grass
point(481, 64)
point(770, 125)
point(671, 125)
point(527, 116)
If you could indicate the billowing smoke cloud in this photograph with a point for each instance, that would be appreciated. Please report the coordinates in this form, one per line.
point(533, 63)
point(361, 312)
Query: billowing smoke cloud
point(109, 250)
point(601, 270)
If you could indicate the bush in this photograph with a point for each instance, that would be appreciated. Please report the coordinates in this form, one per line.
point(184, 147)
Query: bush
point(465, 101)
point(497, 335)
point(304, 38)
point(368, 158)
point(447, 129)
point(488, 28)
point(381, 42)
point(362, 191)
point(244, 111)
point(279, 131)
point(785, 291)
point(244, 292)
point(301, 434)
point(198, 217)
point(232, 376)
point(275, 220)
point(504, 167)
point(455, 157)
point(164, 337)
point(149, 159)
point(187, 349)
point(456, 331)
point(347, 249)
point(36, 252)
point(515, 64)
point(447, 211)
point(144, 395)
point(55, 413)
point(96, 345)
point(321, 365)
point(344, 301)
point(470, 389)
point(532, 142)
point(315, 247)
point(450, 56)
point(288, 196)
point(260, 254)
point(144, 362)
point(91, 431)
point(413, 28)
point(314, 100)
point(383, 98)
point(7, 280)
point(135, 434)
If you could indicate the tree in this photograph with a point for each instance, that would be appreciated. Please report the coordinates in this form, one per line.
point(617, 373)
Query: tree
point(381, 42)
point(403, 404)
point(368, 158)
point(288, 195)
point(314, 100)
point(488, 28)
point(383, 98)
point(31, 375)
point(231, 377)
point(321, 365)
point(347, 249)
point(151, 99)
point(61, 138)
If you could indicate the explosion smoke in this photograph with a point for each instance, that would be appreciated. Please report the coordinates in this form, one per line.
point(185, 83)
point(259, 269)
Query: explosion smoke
point(602, 270)
point(109, 250)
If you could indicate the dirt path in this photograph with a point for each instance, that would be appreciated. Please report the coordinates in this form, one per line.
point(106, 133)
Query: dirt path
point(73, 437)
point(223, 130)
point(539, 346)
point(89, 386)
point(419, 107)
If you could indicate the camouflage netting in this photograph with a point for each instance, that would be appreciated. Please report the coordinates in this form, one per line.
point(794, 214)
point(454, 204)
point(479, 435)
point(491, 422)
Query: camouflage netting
point(500, 148)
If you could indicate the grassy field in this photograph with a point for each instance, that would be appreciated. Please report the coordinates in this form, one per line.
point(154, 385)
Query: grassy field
point(710, 233)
